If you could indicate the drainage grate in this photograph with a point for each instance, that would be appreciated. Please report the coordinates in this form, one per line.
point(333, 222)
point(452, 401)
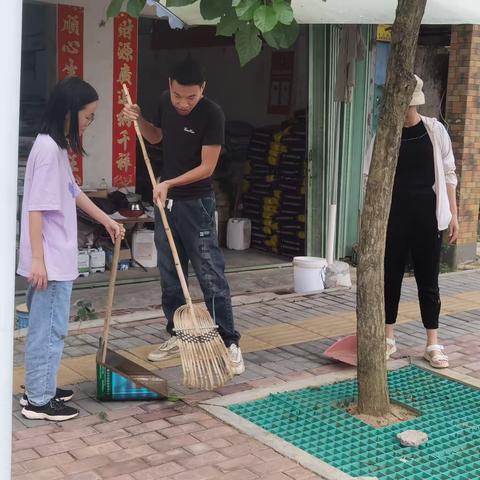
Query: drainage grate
point(450, 415)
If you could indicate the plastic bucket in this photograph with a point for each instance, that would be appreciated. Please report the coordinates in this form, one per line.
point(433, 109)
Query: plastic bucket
point(21, 316)
point(309, 274)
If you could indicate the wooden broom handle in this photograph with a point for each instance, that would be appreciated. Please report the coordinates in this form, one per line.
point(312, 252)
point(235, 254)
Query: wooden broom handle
point(111, 290)
point(166, 226)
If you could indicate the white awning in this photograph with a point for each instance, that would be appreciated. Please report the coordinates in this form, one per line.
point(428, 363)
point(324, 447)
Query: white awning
point(357, 11)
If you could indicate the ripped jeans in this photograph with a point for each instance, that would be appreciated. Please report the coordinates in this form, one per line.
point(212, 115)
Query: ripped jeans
point(192, 223)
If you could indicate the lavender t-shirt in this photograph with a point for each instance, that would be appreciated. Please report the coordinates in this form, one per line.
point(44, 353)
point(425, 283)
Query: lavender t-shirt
point(50, 188)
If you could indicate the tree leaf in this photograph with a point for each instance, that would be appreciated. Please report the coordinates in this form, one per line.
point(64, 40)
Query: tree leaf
point(284, 11)
point(246, 9)
point(271, 39)
point(135, 7)
point(179, 3)
point(247, 43)
point(228, 24)
point(282, 36)
point(212, 9)
point(235, 3)
point(114, 8)
point(265, 18)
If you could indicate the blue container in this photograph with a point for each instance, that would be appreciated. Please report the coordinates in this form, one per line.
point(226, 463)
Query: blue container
point(21, 316)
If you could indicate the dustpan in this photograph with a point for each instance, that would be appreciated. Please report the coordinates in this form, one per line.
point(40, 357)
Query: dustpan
point(344, 350)
point(119, 378)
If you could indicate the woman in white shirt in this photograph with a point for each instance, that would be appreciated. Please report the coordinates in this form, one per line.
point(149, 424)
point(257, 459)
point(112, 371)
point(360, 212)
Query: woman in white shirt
point(423, 206)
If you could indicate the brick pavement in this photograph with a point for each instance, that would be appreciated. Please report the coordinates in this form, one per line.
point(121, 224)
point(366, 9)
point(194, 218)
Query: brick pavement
point(175, 439)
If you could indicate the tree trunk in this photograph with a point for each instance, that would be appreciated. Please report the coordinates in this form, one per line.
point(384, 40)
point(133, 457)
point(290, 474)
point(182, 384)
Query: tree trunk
point(372, 372)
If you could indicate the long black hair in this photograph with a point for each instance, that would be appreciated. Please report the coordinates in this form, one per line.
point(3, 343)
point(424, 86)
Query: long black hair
point(69, 96)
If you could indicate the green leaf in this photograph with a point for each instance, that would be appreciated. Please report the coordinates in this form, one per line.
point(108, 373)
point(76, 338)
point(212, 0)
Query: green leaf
point(114, 8)
point(265, 18)
point(246, 9)
point(284, 11)
point(228, 24)
point(135, 7)
point(179, 3)
point(247, 43)
point(282, 36)
point(235, 3)
point(212, 9)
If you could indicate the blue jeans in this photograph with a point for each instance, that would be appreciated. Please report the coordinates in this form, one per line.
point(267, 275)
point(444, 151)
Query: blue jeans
point(49, 312)
point(192, 223)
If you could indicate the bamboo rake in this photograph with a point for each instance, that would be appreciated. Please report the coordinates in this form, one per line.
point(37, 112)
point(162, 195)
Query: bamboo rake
point(205, 361)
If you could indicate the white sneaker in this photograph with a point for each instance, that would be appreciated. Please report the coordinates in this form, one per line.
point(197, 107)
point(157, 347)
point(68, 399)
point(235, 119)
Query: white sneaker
point(166, 350)
point(236, 359)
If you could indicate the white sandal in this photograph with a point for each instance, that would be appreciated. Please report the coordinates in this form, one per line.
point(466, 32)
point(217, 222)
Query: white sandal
point(391, 347)
point(435, 356)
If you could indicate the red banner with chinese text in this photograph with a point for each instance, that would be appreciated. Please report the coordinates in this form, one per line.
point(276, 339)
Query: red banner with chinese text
point(125, 48)
point(70, 60)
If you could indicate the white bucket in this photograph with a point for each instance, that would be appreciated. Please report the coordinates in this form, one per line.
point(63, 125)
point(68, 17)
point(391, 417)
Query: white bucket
point(239, 232)
point(309, 274)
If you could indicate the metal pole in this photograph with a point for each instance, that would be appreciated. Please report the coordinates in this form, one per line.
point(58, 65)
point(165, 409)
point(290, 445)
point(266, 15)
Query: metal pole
point(10, 53)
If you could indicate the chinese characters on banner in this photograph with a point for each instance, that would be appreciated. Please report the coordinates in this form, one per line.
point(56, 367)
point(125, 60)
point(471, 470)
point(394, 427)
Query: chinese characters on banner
point(124, 71)
point(70, 60)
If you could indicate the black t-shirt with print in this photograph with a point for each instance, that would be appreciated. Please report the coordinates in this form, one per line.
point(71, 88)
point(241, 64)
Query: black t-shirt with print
point(183, 139)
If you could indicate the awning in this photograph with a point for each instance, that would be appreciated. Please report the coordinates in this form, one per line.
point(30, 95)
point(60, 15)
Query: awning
point(356, 11)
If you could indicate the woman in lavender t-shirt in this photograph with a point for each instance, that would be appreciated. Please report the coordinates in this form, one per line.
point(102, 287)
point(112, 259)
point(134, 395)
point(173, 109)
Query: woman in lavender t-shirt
point(48, 243)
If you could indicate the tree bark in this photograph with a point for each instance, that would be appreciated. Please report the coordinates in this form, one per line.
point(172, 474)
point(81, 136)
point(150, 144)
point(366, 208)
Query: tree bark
point(373, 396)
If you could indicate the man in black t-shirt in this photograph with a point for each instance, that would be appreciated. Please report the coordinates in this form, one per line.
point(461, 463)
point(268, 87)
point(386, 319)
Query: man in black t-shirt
point(191, 129)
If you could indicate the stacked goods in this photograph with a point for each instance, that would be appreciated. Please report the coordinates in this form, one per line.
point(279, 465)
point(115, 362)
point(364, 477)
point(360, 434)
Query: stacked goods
point(259, 191)
point(274, 193)
point(291, 182)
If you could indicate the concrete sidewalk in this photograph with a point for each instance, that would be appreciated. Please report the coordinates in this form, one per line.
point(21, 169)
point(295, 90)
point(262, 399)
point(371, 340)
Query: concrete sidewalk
point(283, 339)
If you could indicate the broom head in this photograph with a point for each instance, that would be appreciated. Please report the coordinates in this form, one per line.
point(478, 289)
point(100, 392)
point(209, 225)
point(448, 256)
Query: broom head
point(205, 361)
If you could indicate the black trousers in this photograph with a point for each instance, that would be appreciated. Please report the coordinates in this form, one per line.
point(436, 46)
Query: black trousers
point(413, 229)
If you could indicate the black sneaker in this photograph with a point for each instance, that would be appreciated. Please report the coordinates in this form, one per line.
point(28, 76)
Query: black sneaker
point(54, 410)
point(60, 394)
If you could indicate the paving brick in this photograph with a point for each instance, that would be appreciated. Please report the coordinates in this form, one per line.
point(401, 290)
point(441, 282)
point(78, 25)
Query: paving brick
point(168, 456)
point(46, 462)
point(175, 442)
point(24, 455)
point(203, 473)
point(132, 453)
point(161, 471)
point(117, 468)
point(85, 476)
point(148, 427)
point(48, 474)
point(59, 447)
point(35, 432)
point(96, 450)
point(90, 463)
point(238, 462)
point(137, 440)
point(72, 434)
point(208, 458)
point(106, 437)
point(273, 466)
point(116, 424)
point(156, 415)
point(299, 473)
point(242, 474)
point(218, 432)
point(31, 442)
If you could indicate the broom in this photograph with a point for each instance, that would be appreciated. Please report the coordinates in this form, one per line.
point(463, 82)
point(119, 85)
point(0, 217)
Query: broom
point(203, 354)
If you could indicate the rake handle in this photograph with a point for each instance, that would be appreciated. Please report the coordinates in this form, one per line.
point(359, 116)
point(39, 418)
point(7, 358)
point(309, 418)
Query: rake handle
point(111, 290)
point(166, 226)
